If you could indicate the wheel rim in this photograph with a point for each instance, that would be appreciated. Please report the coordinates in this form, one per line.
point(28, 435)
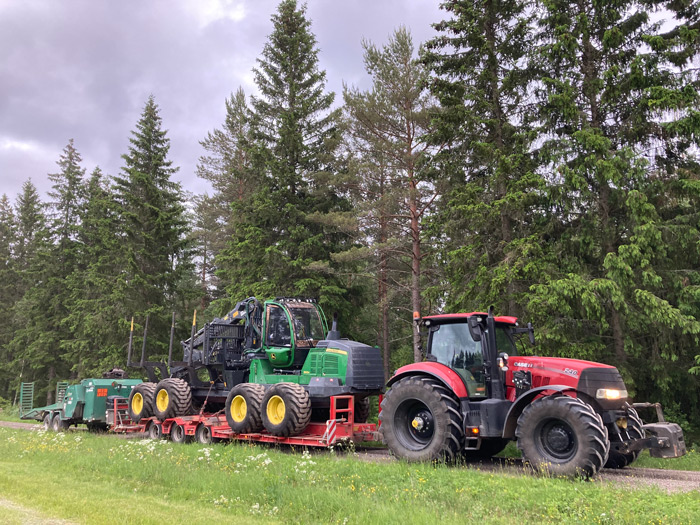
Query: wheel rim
point(557, 440)
point(239, 409)
point(275, 410)
point(137, 403)
point(177, 433)
point(154, 431)
point(415, 424)
point(205, 435)
point(162, 400)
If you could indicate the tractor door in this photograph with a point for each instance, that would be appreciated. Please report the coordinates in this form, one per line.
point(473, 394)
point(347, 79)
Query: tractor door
point(453, 346)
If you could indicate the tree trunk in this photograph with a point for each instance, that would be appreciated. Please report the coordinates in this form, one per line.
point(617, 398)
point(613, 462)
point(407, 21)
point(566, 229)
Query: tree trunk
point(49, 392)
point(415, 270)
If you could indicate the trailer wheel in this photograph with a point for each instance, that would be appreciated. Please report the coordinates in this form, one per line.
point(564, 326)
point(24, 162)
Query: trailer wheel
point(172, 398)
point(141, 401)
point(244, 408)
point(47, 421)
point(563, 436)
point(177, 434)
point(155, 431)
point(203, 435)
point(361, 409)
point(636, 431)
point(58, 424)
point(421, 420)
point(286, 409)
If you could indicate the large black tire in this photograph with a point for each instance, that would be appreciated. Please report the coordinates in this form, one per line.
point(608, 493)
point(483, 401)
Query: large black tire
point(361, 409)
point(421, 420)
point(562, 436)
point(177, 434)
point(203, 435)
point(141, 401)
point(286, 409)
point(47, 421)
point(489, 448)
point(244, 408)
point(635, 430)
point(155, 431)
point(172, 398)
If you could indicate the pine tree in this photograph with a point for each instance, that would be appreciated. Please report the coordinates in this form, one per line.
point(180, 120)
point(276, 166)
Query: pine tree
point(388, 126)
point(619, 110)
point(278, 246)
point(154, 225)
point(486, 228)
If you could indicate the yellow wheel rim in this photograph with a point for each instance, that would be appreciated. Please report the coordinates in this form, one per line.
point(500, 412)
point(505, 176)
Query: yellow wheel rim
point(137, 403)
point(275, 410)
point(162, 400)
point(239, 409)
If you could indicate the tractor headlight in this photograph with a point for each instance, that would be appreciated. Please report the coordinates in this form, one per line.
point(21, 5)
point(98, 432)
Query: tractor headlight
point(610, 393)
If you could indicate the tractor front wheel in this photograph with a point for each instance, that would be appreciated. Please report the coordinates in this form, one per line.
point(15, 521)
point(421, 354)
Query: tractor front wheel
point(421, 420)
point(172, 398)
point(563, 436)
point(141, 401)
point(635, 430)
point(244, 408)
point(286, 409)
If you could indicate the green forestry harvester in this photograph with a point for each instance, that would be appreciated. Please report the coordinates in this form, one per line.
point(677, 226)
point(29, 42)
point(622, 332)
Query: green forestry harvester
point(273, 366)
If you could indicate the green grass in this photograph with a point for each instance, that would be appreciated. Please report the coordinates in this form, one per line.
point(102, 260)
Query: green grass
point(12, 414)
point(106, 479)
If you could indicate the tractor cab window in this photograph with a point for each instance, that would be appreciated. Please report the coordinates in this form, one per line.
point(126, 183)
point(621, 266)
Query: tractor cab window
point(278, 332)
point(504, 341)
point(308, 328)
point(452, 345)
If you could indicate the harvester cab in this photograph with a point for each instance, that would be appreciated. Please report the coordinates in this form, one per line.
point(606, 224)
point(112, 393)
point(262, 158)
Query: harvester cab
point(474, 393)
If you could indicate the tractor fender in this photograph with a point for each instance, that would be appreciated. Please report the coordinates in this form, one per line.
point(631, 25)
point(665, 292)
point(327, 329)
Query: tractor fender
point(445, 374)
point(524, 400)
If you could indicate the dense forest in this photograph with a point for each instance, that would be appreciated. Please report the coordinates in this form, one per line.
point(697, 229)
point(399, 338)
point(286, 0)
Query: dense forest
point(538, 156)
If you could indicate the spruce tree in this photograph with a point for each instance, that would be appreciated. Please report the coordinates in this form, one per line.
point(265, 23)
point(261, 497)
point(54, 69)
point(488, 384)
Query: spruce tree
point(278, 247)
point(487, 227)
point(619, 111)
point(154, 226)
point(8, 291)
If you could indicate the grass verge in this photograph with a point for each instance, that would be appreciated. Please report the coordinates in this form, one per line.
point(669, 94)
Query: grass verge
point(105, 479)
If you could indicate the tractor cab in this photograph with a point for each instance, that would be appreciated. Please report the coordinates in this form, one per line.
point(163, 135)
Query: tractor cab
point(462, 342)
point(291, 327)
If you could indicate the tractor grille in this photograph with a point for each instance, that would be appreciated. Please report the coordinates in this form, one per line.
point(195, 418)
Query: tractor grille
point(594, 378)
point(330, 364)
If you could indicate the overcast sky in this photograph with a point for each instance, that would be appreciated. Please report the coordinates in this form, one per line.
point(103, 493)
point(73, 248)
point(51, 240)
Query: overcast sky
point(83, 69)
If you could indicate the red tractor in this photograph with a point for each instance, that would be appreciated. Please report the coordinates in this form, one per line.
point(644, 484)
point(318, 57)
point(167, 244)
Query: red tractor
point(473, 394)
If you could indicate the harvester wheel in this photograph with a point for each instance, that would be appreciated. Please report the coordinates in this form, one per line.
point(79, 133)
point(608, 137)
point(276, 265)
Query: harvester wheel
point(244, 408)
point(172, 398)
point(489, 448)
point(286, 409)
point(636, 431)
point(177, 434)
point(58, 424)
point(421, 420)
point(47, 421)
point(203, 435)
point(361, 409)
point(563, 436)
point(141, 401)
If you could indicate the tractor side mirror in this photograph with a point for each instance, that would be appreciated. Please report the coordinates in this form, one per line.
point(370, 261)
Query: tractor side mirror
point(531, 333)
point(474, 328)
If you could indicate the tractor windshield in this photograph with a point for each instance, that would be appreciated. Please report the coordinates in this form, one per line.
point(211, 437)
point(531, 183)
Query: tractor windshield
point(452, 345)
point(308, 328)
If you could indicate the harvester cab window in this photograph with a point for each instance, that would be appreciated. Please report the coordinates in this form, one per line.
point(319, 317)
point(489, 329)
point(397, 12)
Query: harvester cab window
point(278, 332)
point(452, 345)
point(308, 329)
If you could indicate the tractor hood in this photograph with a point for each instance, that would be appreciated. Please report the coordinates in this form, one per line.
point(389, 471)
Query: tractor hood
point(365, 366)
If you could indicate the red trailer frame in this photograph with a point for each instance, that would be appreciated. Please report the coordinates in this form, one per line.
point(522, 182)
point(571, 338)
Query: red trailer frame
point(340, 427)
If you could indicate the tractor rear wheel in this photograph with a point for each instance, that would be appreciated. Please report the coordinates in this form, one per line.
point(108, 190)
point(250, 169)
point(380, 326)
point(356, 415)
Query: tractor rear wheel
point(361, 409)
point(141, 401)
point(421, 420)
point(286, 409)
point(563, 436)
point(636, 431)
point(244, 408)
point(172, 398)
